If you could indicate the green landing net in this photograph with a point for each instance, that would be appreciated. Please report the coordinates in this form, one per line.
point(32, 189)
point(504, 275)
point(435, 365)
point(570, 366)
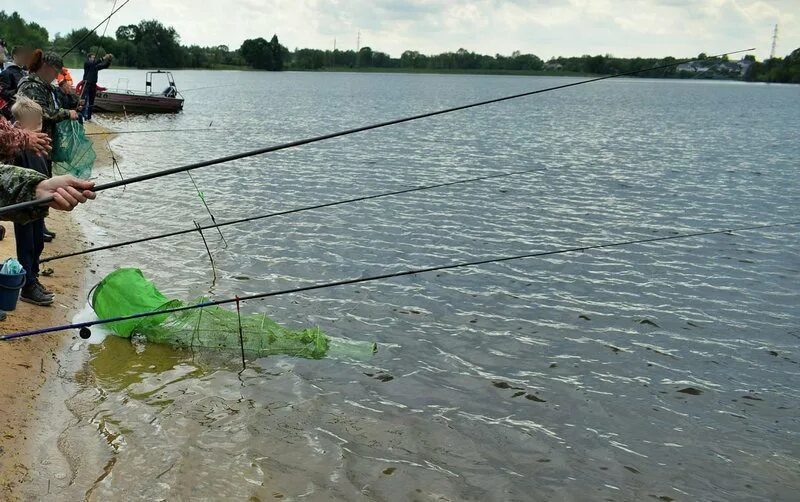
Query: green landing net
point(126, 291)
point(73, 152)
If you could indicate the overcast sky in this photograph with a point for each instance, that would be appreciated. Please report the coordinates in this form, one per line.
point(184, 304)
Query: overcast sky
point(544, 27)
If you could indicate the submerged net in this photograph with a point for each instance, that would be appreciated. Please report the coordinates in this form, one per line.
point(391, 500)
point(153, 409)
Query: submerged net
point(126, 291)
point(72, 150)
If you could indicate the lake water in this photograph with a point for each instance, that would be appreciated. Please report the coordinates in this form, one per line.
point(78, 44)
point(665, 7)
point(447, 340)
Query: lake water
point(553, 378)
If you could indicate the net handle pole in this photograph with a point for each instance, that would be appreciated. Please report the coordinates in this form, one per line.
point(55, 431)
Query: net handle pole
point(241, 334)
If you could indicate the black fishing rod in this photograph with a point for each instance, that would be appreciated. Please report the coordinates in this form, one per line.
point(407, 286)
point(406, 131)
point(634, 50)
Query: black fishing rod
point(105, 29)
point(114, 133)
point(79, 42)
point(84, 326)
point(316, 139)
point(283, 213)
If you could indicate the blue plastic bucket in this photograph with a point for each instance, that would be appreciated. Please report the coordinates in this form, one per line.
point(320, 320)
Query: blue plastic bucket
point(10, 285)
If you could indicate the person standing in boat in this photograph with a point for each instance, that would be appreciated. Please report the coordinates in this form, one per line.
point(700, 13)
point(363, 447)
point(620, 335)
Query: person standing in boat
point(91, 68)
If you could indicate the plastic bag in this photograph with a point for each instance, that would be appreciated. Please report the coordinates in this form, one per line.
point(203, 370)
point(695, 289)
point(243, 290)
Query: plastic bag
point(12, 267)
point(73, 152)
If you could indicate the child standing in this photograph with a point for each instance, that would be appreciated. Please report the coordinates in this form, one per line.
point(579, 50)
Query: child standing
point(30, 236)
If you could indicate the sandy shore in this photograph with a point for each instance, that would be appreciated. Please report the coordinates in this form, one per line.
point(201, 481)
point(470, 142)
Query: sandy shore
point(27, 363)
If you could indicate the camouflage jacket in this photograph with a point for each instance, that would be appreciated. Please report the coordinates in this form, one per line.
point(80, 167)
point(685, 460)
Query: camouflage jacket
point(17, 185)
point(32, 86)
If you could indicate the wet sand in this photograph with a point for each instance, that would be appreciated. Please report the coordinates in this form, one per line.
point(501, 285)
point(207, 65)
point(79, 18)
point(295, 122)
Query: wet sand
point(26, 364)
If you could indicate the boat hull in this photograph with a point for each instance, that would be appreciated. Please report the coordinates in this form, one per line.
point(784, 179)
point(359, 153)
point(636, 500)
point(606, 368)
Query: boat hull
point(118, 102)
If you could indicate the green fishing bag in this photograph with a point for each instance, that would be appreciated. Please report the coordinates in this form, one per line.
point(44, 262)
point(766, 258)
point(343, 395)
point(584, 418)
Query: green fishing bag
point(73, 152)
point(126, 291)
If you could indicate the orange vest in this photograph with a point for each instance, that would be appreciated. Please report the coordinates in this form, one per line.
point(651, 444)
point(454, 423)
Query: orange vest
point(65, 75)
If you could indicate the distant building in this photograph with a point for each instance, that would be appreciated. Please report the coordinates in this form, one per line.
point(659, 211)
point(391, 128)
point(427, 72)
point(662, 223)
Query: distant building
point(722, 68)
point(553, 66)
point(744, 66)
point(694, 67)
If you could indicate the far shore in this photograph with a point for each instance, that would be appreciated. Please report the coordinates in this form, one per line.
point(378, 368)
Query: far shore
point(418, 71)
point(346, 69)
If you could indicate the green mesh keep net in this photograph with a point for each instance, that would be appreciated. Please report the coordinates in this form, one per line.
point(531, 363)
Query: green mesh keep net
point(126, 291)
point(73, 152)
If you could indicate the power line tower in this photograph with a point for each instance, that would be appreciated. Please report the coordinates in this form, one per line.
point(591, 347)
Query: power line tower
point(774, 41)
point(358, 49)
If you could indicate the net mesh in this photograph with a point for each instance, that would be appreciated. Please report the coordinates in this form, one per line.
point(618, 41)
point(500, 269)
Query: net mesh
point(73, 152)
point(126, 291)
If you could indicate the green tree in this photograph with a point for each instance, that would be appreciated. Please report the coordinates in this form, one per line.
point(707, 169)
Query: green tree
point(158, 45)
point(17, 31)
point(364, 57)
point(257, 53)
point(129, 32)
point(280, 54)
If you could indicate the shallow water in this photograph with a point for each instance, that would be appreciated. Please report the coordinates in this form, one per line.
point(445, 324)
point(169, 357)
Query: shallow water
point(664, 370)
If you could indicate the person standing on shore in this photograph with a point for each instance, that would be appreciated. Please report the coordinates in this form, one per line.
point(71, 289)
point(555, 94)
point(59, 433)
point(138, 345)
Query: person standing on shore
point(19, 185)
point(10, 78)
point(91, 68)
point(30, 236)
point(44, 68)
point(23, 185)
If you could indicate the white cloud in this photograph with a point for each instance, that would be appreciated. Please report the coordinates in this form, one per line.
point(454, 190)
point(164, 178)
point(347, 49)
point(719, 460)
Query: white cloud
point(544, 27)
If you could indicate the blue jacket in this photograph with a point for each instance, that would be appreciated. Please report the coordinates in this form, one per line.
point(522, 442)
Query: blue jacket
point(9, 81)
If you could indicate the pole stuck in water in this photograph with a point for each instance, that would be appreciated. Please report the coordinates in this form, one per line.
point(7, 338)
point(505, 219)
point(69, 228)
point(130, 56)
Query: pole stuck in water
point(347, 132)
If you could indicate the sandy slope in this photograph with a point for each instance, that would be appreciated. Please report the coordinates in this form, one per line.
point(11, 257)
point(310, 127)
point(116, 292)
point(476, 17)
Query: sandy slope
point(26, 363)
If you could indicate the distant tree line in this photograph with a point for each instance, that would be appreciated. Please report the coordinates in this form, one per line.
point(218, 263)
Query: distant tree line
point(777, 70)
point(316, 59)
point(151, 44)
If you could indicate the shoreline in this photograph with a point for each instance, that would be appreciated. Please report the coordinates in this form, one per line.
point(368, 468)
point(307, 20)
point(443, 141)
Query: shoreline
point(29, 363)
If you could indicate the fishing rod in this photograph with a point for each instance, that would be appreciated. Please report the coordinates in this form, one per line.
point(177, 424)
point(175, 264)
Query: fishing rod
point(84, 326)
point(98, 47)
point(113, 6)
point(114, 133)
point(347, 132)
point(285, 212)
point(79, 42)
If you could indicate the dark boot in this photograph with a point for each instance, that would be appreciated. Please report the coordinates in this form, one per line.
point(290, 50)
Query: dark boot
point(43, 289)
point(33, 295)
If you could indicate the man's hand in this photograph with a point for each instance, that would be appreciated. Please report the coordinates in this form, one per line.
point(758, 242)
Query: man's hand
point(73, 115)
point(39, 142)
point(67, 191)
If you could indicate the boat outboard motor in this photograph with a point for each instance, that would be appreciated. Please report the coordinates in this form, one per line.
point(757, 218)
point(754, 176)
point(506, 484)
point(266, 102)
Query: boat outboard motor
point(170, 92)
